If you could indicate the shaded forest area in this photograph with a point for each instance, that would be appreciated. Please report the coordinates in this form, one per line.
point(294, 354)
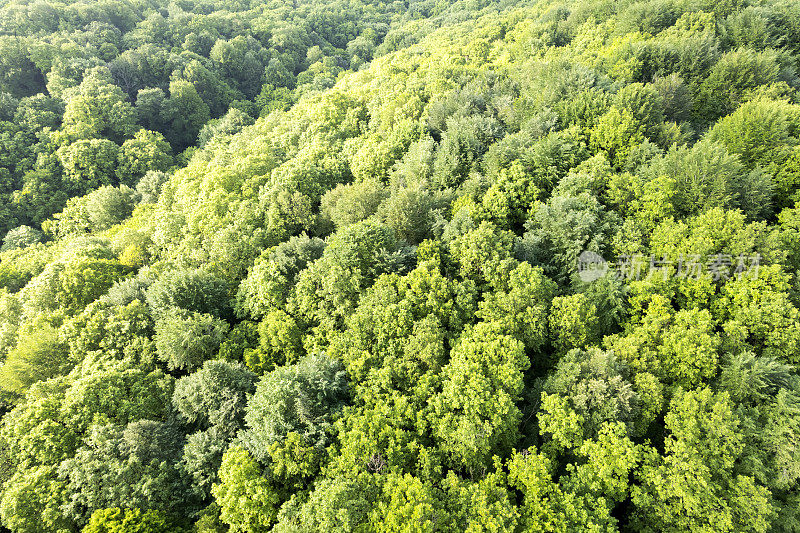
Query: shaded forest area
point(319, 266)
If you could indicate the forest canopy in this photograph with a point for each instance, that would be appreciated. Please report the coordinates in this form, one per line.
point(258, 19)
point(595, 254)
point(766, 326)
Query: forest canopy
point(365, 266)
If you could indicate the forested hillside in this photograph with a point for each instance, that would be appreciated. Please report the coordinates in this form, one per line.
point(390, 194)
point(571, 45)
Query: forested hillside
point(358, 266)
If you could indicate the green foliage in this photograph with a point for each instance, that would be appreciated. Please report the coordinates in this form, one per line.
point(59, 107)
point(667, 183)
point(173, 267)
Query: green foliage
point(185, 113)
point(679, 347)
point(394, 348)
point(30, 501)
point(734, 78)
point(19, 266)
point(764, 134)
point(116, 336)
point(98, 110)
point(766, 394)
point(184, 340)
point(129, 521)
point(707, 176)
point(221, 129)
point(476, 415)
point(594, 388)
point(315, 266)
point(76, 279)
point(247, 501)
point(209, 521)
point(573, 321)
point(134, 466)
point(117, 396)
point(545, 505)
point(202, 457)
point(519, 304)
point(20, 75)
point(676, 97)
point(617, 132)
point(610, 459)
point(757, 314)
point(328, 290)
point(761, 132)
point(146, 151)
point(303, 398)
point(408, 505)
point(335, 504)
point(280, 342)
point(192, 290)
point(11, 311)
point(347, 204)
point(215, 395)
point(97, 211)
point(270, 279)
point(34, 113)
point(33, 435)
point(150, 185)
point(21, 237)
point(108, 206)
point(561, 229)
point(483, 252)
point(88, 164)
point(484, 505)
point(693, 486)
point(410, 213)
point(39, 355)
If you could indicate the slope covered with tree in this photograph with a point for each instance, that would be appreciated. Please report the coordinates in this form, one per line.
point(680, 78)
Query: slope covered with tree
point(317, 266)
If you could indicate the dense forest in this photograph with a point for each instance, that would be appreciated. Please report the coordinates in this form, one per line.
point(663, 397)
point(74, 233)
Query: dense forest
point(410, 266)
